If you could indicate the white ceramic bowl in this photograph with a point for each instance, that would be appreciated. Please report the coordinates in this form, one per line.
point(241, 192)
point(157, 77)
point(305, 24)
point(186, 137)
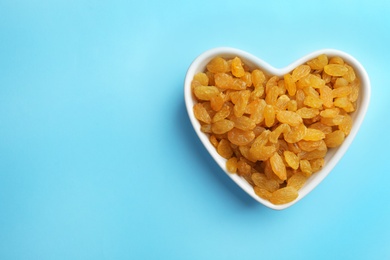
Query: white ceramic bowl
point(333, 155)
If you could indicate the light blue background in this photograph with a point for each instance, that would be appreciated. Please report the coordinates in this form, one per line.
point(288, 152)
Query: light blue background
point(98, 159)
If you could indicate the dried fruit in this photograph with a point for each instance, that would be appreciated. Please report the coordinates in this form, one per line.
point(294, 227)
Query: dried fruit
point(284, 195)
point(278, 166)
point(335, 69)
point(297, 180)
point(289, 117)
point(222, 126)
point(335, 138)
point(218, 64)
point(275, 131)
point(290, 84)
point(201, 113)
point(262, 193)
point(231, 165)
point(269, 115)
point(313, 135)
point(205, 92)
point(224, 149)
point(300, 72)
point(258, 78)
point(292, 159)
point(240, 137)
point(236, 68)
point(307, 112)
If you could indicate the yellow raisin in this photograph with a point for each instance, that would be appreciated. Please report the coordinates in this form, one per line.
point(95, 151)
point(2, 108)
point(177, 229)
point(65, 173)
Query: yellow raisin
point(300, 72)
point(292, 105)
point(289, 117)
point(258, 78)
point(205, 92)
point(355, 85)
point(278, 166)
point(307, 113)
point(340, 82)
point(326, 96)
point(292, 159)
point(247, 78)
point(262, 153)
point(330, 112)
point(236, 67)
point(224, 149)
point(223, 80)
point(201, 113)
point(311, 80)
point(240, 137)
point(297, 180)
point(242, 102)
point(318, 63)
point(296, 134)
point(282, 128)
point(335, 69)
point(313, 102)
point(261, 181)
point(223, 113)
point(256, 110)
point(202, 78)
point(206, 128)
point(300, 97)
point(342, 91)
point(231, 165)
point(290, 84)
point(350, 76)
point(222, 126)
point(282, 102)
point(244, 123)
point(336, 60)
point(344, 103)
point(262, 193)
point(335, 138)
point(218, 64)
point(272, 82)
point(284, 195)
point(313, 135)
point(346, 124)
point(309, 146)
point(269, 115)
point(320, 126)
point(217, 102)
point(305, 167)
point(272, 95)
point(316, 164)
point(243, 168)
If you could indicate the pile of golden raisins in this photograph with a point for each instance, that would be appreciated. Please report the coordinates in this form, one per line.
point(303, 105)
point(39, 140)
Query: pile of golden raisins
point(275, 131)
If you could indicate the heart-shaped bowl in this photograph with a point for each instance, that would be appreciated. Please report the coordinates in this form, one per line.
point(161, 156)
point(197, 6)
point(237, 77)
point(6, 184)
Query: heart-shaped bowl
point(333, 155)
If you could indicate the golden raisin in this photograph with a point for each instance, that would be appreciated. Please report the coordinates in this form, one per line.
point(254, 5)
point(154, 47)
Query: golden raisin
point(217, 65)
point(201, 113)
point(335, 138)
point(284, 195)
point(224, 149)
point(289, 117)
point(275, 131)
point(236, 68)
point(222, 126)
point(335, 69)
point(240, 137)
point(292, 159)
point(297, 180)
point(278, 166)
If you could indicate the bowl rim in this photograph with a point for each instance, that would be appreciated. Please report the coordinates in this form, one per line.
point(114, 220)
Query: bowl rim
point(199, 64)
